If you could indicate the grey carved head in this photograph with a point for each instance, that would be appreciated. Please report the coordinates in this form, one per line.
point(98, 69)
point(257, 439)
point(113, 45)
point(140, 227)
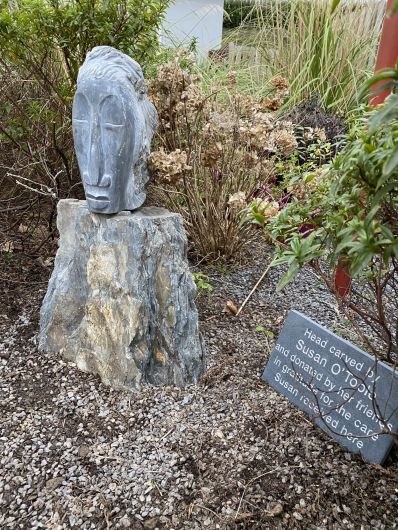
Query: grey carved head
point(113, 125)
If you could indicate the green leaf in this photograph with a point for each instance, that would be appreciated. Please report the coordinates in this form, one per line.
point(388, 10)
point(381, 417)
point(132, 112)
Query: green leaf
point(344, 244)
point(335, 4)
point(361, 262)
point(391, 163)
point(386, 74)
point(384, 115)
point(288, 276)
point(378, 197)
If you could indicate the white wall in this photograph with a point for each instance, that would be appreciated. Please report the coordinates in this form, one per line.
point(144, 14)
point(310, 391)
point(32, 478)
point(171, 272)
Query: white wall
point(188, 19)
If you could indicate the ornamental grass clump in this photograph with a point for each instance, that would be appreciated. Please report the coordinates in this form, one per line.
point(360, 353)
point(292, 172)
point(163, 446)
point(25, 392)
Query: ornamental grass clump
point(214, 153)
point(325, 49)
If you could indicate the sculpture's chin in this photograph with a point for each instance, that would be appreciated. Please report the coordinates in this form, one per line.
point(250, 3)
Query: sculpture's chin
point(103, 204)
point(99, 205)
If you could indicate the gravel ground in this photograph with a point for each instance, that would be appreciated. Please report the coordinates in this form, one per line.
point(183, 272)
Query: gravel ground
point(229, 453)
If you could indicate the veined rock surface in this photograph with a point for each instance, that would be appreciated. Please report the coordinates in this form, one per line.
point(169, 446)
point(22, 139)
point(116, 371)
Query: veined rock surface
point(120, 301)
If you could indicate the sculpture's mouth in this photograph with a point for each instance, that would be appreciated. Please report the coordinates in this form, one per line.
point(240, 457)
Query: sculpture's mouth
point(97, 202)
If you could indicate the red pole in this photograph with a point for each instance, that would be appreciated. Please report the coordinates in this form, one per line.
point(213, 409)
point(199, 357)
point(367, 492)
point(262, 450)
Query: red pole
point(388, 50)
point(342, 277)
point(386, 58)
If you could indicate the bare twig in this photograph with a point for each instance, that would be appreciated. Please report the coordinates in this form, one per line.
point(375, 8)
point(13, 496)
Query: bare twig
point(254, 289)
point(251, 482)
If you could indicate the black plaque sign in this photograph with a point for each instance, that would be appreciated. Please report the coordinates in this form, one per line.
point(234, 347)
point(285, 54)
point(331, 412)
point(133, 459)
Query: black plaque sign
point(348, 394)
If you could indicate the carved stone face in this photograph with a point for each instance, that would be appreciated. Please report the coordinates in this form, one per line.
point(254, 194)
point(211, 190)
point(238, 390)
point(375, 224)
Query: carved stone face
point(112, 134)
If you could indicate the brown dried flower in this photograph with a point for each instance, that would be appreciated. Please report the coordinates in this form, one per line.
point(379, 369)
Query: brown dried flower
point(249, 158)
point(237, 201)
point(257, 130)
point(211, 154)
point(320, 133)
point(169, 166)
point(231, 78)
point(280, 83)
point(277, 101)
point(245, 105)
point(272, 104)
point(220, 123)
point(176, 94)
point(285, 141)
point(267, 170)
point(308, 133)
point(191, 100)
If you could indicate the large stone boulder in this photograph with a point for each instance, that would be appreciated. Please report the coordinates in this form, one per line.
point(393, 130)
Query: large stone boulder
point(121, 299)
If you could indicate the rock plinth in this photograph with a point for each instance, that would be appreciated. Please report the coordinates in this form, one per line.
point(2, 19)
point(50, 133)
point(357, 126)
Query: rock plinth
point(121, 299)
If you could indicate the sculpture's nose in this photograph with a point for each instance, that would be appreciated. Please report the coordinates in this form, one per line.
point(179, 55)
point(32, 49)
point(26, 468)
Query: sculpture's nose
point(95, 167)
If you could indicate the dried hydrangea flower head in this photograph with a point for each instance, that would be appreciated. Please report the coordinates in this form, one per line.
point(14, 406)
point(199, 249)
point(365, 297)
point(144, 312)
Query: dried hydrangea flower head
point(113, 125)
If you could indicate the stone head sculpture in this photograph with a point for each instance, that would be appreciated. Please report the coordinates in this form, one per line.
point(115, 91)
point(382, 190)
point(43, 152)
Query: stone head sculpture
point(113, 124)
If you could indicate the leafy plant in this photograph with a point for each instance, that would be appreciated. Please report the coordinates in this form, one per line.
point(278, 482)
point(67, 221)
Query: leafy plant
point(202, 284)
point(65, 31)
point(267, 335)
point(312, 117)
point(351, 218)
point(387, 78)
point(8, 257)
point(236, 12)
point(267, 332)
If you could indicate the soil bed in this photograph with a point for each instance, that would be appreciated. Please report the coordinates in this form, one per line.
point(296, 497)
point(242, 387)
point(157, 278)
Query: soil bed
point(229, 453)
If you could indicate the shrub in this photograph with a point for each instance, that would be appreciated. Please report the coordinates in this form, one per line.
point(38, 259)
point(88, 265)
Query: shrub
point(351, 219)
point(33, 29)
point(215, 152)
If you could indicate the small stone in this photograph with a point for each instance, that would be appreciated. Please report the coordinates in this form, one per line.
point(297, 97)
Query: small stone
point(84, 450)
point(54, 483)
point(274, 509)
point(151, 523)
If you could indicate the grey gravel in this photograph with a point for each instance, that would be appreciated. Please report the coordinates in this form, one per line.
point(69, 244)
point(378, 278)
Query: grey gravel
point(228, 453)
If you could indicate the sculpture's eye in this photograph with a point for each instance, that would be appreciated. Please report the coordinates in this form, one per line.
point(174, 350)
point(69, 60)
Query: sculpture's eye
point(81, 109)
point(113, 126)
point(112, 115)
point(81, 128)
